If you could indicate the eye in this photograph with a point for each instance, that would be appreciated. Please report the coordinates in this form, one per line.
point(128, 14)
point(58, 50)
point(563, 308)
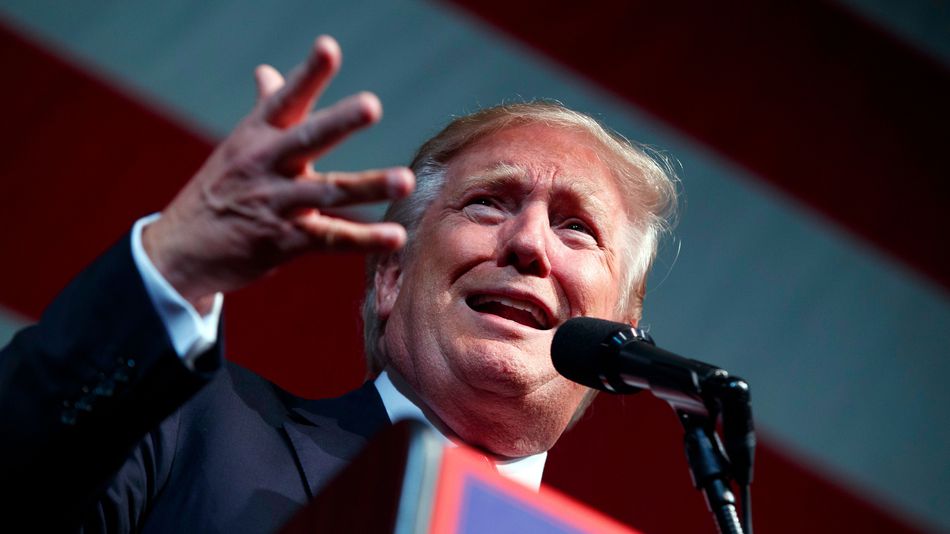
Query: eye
point(484, 209)
point(578, 226)
point(481, 201)
point(578, 233)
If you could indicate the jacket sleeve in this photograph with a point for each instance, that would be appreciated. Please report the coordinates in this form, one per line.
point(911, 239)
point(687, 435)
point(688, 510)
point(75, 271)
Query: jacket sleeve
point(80, 389)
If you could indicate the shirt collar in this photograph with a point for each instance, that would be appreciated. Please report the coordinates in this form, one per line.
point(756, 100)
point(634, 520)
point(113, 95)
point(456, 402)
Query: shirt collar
point(527, 470)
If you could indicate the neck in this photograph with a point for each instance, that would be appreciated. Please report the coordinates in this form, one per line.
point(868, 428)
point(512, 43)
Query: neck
point(405, 388)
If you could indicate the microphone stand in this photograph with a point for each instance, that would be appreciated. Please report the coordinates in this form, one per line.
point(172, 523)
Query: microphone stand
point(628, 360)
point(714, 392)
point(709, 469)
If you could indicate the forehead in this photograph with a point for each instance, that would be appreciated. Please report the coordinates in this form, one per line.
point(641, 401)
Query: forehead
point(535, 144)
point(574, 159)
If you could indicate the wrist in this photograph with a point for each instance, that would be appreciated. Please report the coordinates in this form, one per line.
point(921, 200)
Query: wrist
point(159, 245)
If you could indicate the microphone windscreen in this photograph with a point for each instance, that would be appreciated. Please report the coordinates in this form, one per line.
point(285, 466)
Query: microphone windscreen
point(579, 352)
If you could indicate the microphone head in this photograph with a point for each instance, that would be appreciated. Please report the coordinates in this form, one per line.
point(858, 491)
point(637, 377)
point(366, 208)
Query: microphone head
point(582, 352)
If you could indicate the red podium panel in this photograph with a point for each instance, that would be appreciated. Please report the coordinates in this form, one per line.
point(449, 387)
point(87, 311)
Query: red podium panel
point(406, 481)
point(471, 497)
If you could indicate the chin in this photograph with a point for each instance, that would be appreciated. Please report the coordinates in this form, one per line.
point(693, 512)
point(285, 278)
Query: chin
point(503, 369)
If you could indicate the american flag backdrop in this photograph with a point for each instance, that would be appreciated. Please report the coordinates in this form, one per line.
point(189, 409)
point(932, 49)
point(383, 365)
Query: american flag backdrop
point(811, 255)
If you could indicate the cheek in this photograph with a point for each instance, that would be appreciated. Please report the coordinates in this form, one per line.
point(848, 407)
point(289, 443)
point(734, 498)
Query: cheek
point(460, 242)
point(443, 255)
point(590, 286)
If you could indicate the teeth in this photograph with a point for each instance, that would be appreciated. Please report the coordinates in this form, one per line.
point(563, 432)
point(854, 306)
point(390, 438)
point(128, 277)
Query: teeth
point(535, 312)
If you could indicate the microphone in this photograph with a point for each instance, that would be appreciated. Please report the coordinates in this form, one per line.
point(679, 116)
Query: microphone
point(619, 358)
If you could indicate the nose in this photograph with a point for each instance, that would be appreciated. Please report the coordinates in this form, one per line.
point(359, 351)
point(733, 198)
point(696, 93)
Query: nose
point(524, 244)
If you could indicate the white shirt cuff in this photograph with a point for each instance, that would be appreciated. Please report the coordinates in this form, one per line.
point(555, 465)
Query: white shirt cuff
point(190, 333)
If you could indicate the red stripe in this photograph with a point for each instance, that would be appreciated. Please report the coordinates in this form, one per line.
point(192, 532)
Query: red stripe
point(81, 162)
point(801, 93)
point(84, 160)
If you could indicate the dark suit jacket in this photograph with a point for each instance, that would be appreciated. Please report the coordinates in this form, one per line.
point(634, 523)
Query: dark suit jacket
point(102, 425)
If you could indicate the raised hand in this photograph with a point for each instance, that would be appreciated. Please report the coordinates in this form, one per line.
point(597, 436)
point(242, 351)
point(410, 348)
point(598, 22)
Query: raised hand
point(257, 201)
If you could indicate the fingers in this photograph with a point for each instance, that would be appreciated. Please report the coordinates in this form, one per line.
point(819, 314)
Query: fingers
point(340, 235)
point(269, 81)
point(342, 189)
point(293, 101)
point(323, 130)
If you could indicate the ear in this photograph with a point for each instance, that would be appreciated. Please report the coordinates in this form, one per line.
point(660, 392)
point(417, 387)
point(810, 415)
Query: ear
point(388, 281)
point(635, 306)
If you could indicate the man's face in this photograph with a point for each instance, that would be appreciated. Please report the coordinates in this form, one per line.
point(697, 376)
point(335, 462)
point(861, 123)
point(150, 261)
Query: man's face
point(525, 234)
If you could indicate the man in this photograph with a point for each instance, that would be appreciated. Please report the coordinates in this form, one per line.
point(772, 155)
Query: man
point(524, 216)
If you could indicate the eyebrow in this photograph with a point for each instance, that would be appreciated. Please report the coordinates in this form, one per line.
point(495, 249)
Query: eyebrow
point(502, 175)
point(506, 176)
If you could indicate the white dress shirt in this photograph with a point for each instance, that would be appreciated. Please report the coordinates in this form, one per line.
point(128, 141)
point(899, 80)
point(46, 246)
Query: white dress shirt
point(190, 333)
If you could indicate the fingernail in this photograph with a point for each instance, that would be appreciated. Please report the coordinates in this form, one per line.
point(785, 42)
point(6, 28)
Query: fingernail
point(327, 46)
point(370, 107)
point(398, 183)
point(392, 236)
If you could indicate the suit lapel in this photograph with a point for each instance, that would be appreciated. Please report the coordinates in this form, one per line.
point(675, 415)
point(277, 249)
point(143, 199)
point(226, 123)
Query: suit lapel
point(326, 434)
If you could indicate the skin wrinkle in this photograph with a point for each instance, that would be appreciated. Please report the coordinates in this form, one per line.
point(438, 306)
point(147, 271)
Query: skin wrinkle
point(567, 189)
point(645, 176)
point(250, 210)
point(647, 185)
point(506, 175)
point(489, 379)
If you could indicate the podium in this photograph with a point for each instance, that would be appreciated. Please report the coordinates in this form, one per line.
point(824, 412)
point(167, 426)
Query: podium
point(407, 481)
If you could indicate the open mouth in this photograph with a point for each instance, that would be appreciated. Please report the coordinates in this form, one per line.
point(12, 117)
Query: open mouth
point(519, 311)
